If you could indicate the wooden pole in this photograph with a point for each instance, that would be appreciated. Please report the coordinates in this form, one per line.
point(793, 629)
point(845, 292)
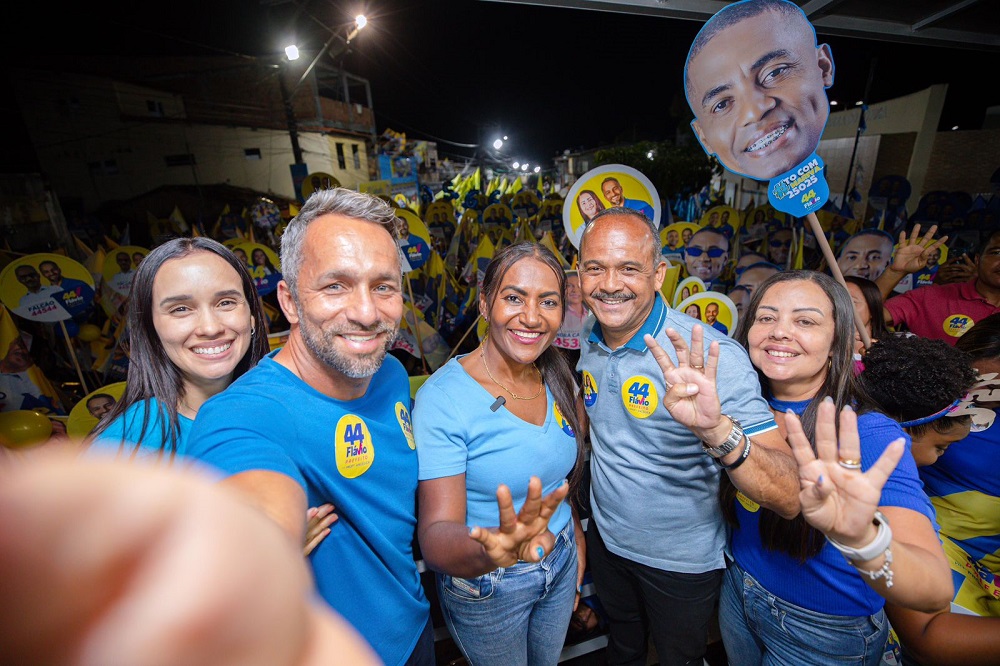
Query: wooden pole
point(72, 355)
point(475, 325)
point(831, 261)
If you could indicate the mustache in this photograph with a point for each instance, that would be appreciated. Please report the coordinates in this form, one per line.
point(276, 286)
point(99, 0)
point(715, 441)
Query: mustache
point(620, 295)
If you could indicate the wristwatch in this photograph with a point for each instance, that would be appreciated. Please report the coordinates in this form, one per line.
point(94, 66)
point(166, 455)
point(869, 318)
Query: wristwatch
point(733, 440)
point(872, 550)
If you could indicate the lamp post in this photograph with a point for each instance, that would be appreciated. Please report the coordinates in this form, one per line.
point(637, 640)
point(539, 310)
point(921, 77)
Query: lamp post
point(292, 53)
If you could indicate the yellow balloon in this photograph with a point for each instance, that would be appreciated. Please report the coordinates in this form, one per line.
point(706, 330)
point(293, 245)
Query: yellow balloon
point(89, 333)
point(23, 428)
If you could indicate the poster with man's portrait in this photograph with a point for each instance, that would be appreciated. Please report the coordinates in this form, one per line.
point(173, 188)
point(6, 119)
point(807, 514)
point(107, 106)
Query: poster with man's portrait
point(47, 287)
point(756, 79)
point(608, 186)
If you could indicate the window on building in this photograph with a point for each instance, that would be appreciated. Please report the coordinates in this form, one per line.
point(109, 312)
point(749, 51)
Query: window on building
point(251, 153)
point(341, 162)
point(357, 155)
point(111, 167)
point(179, 160)
point(154, 107)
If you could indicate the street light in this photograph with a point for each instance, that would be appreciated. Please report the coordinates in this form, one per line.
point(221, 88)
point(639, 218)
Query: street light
point(516, 165)
point(537, 169)
point(498, 144)
point(292, 52)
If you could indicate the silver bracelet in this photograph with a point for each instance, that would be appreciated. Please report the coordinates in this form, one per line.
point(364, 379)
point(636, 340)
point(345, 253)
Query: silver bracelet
point(878, 545)
point(885, 571)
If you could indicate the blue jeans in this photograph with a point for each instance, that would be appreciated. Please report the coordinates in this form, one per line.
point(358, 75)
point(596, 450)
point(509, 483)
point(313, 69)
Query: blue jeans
point(514, 616)
point(760, 628)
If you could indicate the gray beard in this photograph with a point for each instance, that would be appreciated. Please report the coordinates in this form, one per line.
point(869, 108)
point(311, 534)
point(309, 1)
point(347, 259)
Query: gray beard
point(321, 344)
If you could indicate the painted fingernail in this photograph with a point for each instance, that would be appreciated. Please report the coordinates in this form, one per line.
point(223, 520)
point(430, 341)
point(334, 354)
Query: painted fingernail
point(579, 589)
point(828, 399)
point(541, 552)
point(819, 481)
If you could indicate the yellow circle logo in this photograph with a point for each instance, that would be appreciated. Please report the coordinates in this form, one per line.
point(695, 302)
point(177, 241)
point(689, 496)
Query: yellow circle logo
point(747, 503)
point(589, 389)
point(639, 396)
point(957, 324)
point(561, 421)
point(355, 450)
point(403, 416)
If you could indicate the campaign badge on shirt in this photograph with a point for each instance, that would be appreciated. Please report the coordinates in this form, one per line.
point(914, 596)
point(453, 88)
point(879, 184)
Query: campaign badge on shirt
point(956, 325)
point(403, 416)
point(747, 503)
point(639, 396)
point(563, 423)
point(355, 450)
point(589, 389)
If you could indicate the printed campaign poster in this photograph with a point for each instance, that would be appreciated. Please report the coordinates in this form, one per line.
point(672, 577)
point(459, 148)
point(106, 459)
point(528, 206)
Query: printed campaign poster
point(88, 411)
point(756, 79)
point(725, 219)
point(688, 287)
point(608, 186)
point(262, 263)
point(712, 309)
point(47, 287)
point(674, 238)
point(414, 239)
point(23, 385)
point(119, 267)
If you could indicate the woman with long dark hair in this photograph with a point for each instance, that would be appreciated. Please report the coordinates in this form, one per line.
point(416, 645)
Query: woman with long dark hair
point(812, 589)
point(195, 324)
point(504, 426)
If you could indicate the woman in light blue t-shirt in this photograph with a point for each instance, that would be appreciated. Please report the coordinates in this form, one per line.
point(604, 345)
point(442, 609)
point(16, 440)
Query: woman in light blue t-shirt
point(499, 431)
point(195, 324)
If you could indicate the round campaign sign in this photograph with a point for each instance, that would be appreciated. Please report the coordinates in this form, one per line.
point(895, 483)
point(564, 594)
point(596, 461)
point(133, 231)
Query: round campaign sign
point(318, 181)
point(47, 287)
point(606, 187)
point(119, 267)
point(713, 309)
point(86, 413)
point(263, 265)
point(689, 286)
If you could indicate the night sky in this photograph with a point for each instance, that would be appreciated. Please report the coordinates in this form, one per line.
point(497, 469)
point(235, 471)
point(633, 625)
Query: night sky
point(463, 71)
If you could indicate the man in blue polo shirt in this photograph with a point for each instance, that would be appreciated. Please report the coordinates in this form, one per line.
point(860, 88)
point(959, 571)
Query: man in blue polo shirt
point(656, 540)
point(326, 419)
point(612, 191)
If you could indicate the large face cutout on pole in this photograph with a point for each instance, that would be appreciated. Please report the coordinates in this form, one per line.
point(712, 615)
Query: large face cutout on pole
point(756, 81)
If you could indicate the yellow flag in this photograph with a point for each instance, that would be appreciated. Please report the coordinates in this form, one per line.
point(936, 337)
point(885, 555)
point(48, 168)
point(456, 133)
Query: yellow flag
point(800, 250)
point(550, 242)
point(110, 243)
point(515, 186)
point(81, 246)
point(524, 232)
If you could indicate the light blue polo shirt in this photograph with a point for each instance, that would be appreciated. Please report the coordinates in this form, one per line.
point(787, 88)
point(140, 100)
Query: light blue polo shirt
point(653, 489)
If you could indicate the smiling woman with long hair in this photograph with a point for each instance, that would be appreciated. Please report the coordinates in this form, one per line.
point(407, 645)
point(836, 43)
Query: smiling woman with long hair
point(195, 324)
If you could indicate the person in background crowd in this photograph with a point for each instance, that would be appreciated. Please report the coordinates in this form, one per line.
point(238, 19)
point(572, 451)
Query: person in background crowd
point(867, 300)
point(947, 311)
point(922, 383)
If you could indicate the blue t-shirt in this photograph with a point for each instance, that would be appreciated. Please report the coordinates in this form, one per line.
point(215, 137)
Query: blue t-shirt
point(125, 433)
point(965, 489)
point(490, 448)
point(826, 583)
point(357, 454)
point(639, 205)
